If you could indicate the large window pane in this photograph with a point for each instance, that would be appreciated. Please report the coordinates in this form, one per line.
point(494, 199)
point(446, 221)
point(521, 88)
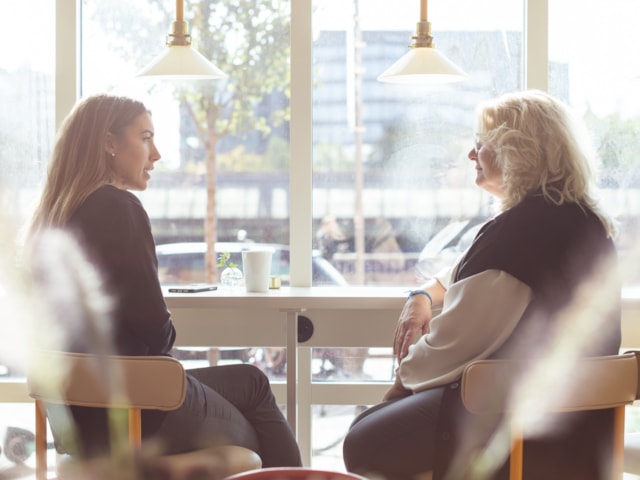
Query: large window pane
point(27, 116)
point(27, 128)
point(225, 143)
point(601, 79)
point(394, 198)
point(390, 167)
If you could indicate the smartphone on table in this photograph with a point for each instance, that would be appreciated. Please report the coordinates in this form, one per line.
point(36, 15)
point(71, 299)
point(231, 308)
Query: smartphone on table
point(193, 288)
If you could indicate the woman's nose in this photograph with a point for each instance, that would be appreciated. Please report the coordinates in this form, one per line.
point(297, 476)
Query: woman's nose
point(155, 154)
point(473, 155)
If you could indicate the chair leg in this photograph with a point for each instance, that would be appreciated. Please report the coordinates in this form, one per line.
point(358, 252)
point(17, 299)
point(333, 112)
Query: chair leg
point(517, 453)
point(135, 427)
point(618, 442)
point(41, 440)
point(617, 466)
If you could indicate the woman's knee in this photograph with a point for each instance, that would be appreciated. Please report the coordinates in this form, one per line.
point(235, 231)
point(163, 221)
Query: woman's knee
point(252, 375)
point(354, 450)
point(253, 372)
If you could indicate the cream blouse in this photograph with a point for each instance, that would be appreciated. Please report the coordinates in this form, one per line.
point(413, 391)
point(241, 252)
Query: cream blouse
point(478, 314)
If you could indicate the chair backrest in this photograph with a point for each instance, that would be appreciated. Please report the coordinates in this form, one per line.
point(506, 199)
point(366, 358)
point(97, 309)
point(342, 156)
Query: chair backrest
point(144, 382)
point(133, 382)
point(595, 383)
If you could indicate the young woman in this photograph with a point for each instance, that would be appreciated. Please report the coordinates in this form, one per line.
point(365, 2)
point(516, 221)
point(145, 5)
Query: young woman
point(105, 148)
point(510, 295)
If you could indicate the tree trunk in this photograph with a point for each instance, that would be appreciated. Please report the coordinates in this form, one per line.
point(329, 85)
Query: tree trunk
point(210, 225)
point(358, 220)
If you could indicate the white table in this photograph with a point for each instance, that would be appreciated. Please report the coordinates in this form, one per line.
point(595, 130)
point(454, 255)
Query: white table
point(341, 317)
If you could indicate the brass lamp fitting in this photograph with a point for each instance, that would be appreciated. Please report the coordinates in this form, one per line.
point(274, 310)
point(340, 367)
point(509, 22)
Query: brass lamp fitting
point(423, 37)
point(180, 34)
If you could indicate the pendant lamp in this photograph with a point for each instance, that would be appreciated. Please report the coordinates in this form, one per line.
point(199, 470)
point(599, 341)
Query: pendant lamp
point(180, 60)
point(422, 64)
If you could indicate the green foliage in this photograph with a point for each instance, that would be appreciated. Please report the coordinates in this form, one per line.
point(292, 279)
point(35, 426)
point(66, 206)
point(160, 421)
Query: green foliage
point(248, 40)
point(277, 154)
point(617, 142)
point(224, 260)
point(238, 160)
point(133, 29)
point(331, 158)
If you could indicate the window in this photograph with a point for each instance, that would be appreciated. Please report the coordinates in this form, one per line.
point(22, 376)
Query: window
point(225, 143)
point(413, 142)
point(390, 177)
point(27, 130)
point(600, 78)
point(27, 116)
point(389, 161)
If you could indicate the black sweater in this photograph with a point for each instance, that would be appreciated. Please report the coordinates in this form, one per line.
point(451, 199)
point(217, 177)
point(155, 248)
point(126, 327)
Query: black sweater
point(114, 231)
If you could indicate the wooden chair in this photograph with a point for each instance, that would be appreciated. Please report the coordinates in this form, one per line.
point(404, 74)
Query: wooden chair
point(609, 382)
point(143, 382)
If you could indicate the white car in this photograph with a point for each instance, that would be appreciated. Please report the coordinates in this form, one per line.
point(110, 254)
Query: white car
point(446, 246)
point(184, 262)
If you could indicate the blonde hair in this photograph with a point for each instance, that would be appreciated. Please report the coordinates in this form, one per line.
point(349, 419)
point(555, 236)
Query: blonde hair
point(79, 163)
point(540, 147)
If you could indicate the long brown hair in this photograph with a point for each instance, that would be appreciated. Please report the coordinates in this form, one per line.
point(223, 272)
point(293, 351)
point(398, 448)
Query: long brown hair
point(80, 163)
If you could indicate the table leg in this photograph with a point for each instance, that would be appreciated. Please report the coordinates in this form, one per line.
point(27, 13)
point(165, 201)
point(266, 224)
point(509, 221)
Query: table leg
point(292, 370)
point(305, 407)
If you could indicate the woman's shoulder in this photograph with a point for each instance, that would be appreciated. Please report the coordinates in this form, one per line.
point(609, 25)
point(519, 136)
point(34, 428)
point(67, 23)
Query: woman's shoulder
point(109, 209)
point(110, 195)
point(536, 214)
point(537, 237)
point(537, 228)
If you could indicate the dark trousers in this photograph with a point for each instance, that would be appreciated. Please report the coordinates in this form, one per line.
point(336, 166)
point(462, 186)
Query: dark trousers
point(432, 431)
point(395, 439)
point(230, 404)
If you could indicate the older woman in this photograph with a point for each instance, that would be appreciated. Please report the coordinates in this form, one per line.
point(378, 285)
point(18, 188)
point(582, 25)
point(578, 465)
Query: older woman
point(505, 297)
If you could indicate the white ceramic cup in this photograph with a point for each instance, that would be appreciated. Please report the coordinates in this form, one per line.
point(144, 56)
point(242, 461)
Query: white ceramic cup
point(256, 266)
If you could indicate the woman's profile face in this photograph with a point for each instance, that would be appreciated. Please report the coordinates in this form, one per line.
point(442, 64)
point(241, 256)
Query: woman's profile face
point(488, 174)
point(133, 154)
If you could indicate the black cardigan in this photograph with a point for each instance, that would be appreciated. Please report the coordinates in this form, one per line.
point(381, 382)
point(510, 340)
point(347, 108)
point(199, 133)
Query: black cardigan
point(552, 249)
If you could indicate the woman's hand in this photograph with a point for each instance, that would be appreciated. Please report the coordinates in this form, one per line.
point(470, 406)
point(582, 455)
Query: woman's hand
point(412, 324)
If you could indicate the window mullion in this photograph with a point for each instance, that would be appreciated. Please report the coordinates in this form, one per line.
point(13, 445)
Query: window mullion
point(300, 168)
point(536, 33)
point(67, 85)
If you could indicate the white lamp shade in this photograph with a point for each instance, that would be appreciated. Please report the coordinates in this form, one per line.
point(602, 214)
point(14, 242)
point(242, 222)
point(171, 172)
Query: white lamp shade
point(422, 65)
point(181, 62)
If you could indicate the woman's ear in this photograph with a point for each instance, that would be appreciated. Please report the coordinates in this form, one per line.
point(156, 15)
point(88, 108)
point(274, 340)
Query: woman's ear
point(109, 145)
